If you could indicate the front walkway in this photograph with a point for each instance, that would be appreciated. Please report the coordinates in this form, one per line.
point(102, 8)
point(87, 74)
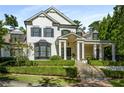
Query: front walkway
point(91, 76)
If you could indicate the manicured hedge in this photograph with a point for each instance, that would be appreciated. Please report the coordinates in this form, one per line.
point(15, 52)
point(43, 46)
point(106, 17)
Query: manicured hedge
point(113, 74)
point(37, 70)
point(51, 63)
point(105, 63)
point(4, 59)
point(55, 57)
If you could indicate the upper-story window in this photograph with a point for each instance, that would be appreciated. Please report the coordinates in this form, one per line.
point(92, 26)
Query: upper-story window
point(95, 35)
point(64, 32)
point(48, 32)
point(36, 32)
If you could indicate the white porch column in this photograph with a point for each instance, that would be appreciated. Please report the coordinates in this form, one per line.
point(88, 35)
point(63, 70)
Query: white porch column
point(60, 45)
point(94, 50)
point(83, 50)
point(100, 52)
point(103, 53)
point(113, 52)
point(78, 50)
point(65, 54)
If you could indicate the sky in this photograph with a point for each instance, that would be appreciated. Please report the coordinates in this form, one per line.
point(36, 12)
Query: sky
point(84, 13)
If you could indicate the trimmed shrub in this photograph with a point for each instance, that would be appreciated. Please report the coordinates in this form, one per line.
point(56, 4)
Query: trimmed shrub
point(113, 74)
point(54, 70)
point(7, 61)
point(105, 63)
point(55, 57)
point(52, 63)
point(4, 59)
point(3, 69)
point(71, 72)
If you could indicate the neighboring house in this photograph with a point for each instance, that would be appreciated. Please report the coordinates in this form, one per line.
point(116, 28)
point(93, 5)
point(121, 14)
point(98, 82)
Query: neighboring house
point(10, 49)
point(50, 33)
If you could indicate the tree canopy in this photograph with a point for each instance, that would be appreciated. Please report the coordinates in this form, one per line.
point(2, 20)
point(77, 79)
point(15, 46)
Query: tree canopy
point(112, 28)
point(3, 32)
point(11, 20)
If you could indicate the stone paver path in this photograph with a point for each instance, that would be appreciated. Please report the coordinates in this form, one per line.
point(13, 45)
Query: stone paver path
point(91, 76)
point(12, 83)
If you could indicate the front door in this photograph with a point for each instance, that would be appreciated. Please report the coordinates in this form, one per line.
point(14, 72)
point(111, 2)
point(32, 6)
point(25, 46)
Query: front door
point(68, 53)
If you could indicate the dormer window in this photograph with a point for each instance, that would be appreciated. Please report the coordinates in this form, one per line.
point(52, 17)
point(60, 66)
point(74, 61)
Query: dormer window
point(64, 32)
point(95, 35)
point(36, 32)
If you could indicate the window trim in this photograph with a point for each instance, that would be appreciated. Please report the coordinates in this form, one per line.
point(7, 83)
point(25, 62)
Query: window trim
point(95, 38)
point(34, 35)
point(52, 32)
point(38, 45)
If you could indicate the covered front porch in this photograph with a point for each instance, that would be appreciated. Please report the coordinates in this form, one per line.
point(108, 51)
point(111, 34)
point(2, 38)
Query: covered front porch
point(72, 46)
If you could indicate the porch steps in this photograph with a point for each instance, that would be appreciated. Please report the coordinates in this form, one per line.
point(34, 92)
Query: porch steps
point(86, 71)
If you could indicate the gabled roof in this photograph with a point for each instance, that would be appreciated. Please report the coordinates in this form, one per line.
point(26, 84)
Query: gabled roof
point(49, 17)
point(38, 14)
point(72, 33)
point(61, 14)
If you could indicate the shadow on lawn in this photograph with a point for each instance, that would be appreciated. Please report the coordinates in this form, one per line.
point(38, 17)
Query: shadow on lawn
point(49, 82)
point(4, 79)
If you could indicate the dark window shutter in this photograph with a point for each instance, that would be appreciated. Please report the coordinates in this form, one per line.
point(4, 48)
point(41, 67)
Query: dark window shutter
point(52, 32)
point(32, 32)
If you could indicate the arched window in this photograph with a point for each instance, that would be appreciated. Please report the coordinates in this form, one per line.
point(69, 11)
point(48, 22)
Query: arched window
point(64, 32)
point(42, 50)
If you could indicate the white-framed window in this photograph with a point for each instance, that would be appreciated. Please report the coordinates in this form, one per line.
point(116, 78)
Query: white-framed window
point(36, 32)
point(48, 32)
point(42, 50)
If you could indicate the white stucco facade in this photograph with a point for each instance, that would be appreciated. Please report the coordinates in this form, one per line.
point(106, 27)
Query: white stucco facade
point(53, 18)
point(51, 33)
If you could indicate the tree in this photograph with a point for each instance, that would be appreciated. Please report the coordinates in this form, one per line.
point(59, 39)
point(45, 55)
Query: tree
point(11, 20)
point(94, 26)
point(3, 31)
point(78, 23)
point(23, 30)
point(112, 28)
point(22, 56)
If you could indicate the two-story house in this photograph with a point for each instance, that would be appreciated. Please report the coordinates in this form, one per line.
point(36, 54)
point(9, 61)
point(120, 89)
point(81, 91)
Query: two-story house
point(50, 33)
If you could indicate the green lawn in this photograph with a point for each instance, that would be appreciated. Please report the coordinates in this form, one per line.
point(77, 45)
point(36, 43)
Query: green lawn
point(117, 82)
point(52, 72)
point(53, 63)
point(39, 79)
